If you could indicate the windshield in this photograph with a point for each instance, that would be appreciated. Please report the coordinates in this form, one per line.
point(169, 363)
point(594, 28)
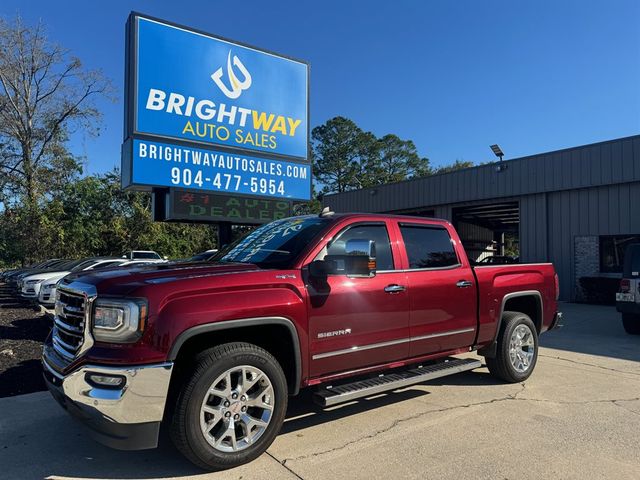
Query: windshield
point(276, 244)
point(632, 261)
point(150, 255)
point(70, 265)
point(202, 256)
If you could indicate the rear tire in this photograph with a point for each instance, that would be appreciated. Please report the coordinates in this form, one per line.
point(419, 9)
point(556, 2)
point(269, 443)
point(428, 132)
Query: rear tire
point(517, 349)
point(631, 323)
point(231, 407)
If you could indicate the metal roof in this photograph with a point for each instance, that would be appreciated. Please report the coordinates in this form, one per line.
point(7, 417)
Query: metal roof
point(604, 163)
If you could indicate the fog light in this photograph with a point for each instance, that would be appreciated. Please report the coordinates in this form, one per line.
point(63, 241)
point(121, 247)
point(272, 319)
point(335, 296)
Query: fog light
point(105, 381)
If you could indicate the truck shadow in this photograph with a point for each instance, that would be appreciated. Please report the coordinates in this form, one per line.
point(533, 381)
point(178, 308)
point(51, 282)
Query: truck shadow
point(304, 413)
point(67, 451)
point(592, 330)
point(25, 377)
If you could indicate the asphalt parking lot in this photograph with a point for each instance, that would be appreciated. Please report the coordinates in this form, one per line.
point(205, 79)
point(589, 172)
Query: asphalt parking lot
point(578, 416)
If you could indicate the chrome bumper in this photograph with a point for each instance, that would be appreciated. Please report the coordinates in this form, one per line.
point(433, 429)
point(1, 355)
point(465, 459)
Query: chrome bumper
point(555, 323)
point(126, 417)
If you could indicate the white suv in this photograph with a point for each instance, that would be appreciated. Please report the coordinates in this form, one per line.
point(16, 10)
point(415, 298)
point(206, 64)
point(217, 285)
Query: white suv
point(47, 294)
point(146, 255)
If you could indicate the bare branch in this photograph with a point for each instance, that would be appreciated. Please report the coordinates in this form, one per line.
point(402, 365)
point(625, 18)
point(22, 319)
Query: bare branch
point(45, 95)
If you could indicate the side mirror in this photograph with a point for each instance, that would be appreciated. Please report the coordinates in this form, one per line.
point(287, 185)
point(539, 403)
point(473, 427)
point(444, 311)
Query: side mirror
point(358, 260)
point(320, 268)
point(361, 248)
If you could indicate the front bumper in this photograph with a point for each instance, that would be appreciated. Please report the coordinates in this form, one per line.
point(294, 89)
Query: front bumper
point(47, 297)
point(29, 293)
point(628, 307)
point(125, 418)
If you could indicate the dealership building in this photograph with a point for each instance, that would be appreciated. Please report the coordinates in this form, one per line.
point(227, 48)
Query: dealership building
point(578, 207)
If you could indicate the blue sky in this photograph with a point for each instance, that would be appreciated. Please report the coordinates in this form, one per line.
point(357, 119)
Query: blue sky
point(453, 76)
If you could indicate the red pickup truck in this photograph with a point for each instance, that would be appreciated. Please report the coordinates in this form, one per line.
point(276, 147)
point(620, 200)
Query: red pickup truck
point(351, 305)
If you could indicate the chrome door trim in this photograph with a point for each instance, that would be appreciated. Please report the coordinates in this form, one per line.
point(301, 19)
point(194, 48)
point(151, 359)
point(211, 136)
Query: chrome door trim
point(356, 348)
point(442, 334)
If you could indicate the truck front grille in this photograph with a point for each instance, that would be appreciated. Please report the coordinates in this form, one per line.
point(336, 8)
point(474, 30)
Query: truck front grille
point(69, 324)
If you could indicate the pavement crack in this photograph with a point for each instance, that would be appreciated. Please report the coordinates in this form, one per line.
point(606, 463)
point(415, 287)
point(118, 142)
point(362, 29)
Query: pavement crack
point(588, 364)
point(284, 464)
point(615, 402)
point(510, 397)
point(580, 402)
point(400, 421)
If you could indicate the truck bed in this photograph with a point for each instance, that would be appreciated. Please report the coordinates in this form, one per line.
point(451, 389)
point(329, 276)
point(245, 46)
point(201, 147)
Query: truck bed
point(498, 283)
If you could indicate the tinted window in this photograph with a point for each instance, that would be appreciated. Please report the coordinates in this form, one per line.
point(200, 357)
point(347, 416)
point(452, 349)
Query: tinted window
point(632, 261)
point(84, 265)
point(612, 251)
point(151, 255)
point(377, 233)
point(428, 247)
point(202, 256)
point(106, 264)
point(274, 245)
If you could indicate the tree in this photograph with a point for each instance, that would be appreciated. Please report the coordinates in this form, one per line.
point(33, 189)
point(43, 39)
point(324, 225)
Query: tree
point(45, 94)
point(340, 149)
point(458, 165)
point(395, 160)
point(346, 158)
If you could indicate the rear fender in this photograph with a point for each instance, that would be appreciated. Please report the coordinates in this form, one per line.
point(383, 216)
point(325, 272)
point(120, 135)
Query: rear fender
point(490, 349)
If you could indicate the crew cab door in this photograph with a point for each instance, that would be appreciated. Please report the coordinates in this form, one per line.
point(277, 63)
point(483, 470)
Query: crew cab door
point(356, 322)
point(442, 289)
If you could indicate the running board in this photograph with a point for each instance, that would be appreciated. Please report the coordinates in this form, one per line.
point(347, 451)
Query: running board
point(333, 395)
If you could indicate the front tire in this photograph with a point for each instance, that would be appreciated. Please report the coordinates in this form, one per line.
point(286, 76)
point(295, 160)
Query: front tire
point(517, 350)
point(230, 409)
point(631, 323)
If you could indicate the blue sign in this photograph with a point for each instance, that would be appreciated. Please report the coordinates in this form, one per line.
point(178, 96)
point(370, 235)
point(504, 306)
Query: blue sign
point(195, 87)
point(169, 165)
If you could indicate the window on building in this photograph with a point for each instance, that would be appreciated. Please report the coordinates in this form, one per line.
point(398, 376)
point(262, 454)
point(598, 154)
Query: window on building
point(612, 251)
point(428, 247)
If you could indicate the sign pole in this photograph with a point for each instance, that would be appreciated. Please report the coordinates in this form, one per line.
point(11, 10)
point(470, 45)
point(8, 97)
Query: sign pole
point(224, 234)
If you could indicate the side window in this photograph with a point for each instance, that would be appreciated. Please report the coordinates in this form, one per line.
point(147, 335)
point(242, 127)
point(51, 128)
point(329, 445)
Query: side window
point(377, 233)
point(106, 265)
point(428, 247)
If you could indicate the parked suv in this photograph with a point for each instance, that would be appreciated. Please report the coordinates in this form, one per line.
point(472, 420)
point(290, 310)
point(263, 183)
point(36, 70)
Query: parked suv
point(147, 255)
point(47, 294)
point(628, 298)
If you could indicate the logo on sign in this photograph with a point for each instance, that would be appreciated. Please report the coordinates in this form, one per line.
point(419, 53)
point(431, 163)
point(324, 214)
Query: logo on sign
point(237, 86)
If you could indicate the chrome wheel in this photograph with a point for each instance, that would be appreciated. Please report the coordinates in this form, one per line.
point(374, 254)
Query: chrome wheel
point(521, 348)
point(237, 408)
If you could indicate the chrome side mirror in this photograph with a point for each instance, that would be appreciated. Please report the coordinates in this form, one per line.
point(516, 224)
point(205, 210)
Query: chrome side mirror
point(358, 260)
point(358, 247)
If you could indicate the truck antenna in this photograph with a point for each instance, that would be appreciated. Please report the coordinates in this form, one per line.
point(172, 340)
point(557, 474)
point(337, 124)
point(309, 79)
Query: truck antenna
point(326, 212)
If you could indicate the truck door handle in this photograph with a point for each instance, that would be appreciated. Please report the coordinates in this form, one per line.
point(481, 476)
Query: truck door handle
point(464, 284)
point(393, 288)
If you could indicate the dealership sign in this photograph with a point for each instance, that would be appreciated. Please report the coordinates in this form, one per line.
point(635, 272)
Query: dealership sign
point(206, 207)
point(207, 113)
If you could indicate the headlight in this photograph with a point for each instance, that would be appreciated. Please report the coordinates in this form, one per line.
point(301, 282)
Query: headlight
point(119, 321)
point(31, 282)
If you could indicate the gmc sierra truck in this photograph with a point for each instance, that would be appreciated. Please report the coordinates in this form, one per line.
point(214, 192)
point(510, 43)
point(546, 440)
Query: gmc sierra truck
point(351, 305)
